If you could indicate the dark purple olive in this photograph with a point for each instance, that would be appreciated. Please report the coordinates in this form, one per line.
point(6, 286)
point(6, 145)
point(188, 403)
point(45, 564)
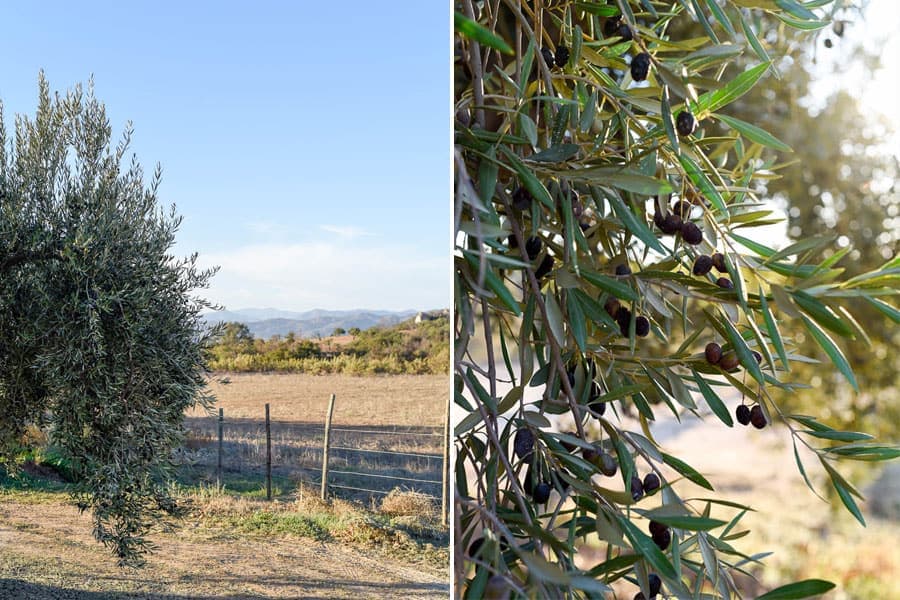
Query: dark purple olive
point(702, 265)
point(541, 492)
point(713, 353)
point(640, 66)
point(691, 233)
point(757, 418)
point(685, 123)
point(651, 483)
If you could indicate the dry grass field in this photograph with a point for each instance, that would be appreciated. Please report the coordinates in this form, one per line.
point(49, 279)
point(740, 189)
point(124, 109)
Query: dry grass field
point(396, 401)
point(234, 544)
point(373, 418)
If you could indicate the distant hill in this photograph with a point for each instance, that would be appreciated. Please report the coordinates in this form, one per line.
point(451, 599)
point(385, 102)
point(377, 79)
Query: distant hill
point(266, 322)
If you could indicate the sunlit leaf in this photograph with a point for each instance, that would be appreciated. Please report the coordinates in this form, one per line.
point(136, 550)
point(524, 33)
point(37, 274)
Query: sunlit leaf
point(754, 133)
point(734, 89)
point(801, 589)
point(480, 33)
point(832, 350)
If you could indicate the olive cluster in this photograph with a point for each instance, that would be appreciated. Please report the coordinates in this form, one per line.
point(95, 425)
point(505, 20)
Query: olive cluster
point(746, 415)
point(655, 585)
point(560, 59)
point(622, 315)
point(678, 221)
point(703, 264)
point(727, 361)
point(536, 485)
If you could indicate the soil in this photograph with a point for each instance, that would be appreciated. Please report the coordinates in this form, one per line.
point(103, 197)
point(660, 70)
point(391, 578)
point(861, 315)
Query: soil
point(47, 552)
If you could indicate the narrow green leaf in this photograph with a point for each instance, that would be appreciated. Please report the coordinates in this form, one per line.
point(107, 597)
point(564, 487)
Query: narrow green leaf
point(642, 543)
point(687, 470)
point(797, 9)
point(719, 14)
point(802, 469)
point(810, 422)
point(591, 307)
point(734, 89)
point(839, 436)
point(555, 317)
point(560, 153)
point(620, 392)
point(601, 10)
point(589, 584)
point(636, 226)
point(668, 121)
point(772, 329)
point(698, 177)
point(754, 133)
point(713, 400)
point(743, 352)
point(760, 249)
point(528, 179)
point(495, 284)
point(614, 177)
point(680, 390)
point(800, 24)
point(528, 128)
point(801, 589)
point(866, 452)
point(619, 289)
point(892, 313)
point(848, 501)
point(576, 320)
point(588, 113)
point(832, 350)
point(701, 17)
point(754, 40)
point(686, 522)
point(480, 33)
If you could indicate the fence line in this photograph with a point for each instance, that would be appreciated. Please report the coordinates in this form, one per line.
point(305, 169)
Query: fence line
point(434, 481)
point(386, 432)
point(347, 487)
point(413, 454)
point(327, 457)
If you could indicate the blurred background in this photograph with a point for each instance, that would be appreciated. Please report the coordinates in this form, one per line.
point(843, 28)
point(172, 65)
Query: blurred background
point(836, 101)
point(834, 98)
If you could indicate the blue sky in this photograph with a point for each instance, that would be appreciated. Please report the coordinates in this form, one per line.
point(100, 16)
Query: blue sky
point(306, 144)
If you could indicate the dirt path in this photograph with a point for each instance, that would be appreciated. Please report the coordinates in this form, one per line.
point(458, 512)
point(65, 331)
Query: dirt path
point(47, 552)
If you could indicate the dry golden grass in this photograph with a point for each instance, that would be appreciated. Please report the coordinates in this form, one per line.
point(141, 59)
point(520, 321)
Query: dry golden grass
point(374, 418)
point(406, 503)
point(397, 400)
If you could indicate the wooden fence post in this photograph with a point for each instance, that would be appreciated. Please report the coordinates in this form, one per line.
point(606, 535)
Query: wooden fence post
point(268, 456)
point(326, 447)
point(219, 463)
point(445, 487)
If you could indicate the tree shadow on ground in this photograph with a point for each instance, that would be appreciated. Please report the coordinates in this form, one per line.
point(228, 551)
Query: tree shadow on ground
point(15, 588)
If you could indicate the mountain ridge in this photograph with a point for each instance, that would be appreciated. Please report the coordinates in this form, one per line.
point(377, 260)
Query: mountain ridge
point(266, 322)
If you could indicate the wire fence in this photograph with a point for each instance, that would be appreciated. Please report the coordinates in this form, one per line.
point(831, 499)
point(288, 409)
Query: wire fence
point(272, 457)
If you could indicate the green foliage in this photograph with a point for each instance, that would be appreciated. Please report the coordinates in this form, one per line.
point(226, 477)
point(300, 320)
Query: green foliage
point(101, 340)
point(566, 173)
point(405, 348)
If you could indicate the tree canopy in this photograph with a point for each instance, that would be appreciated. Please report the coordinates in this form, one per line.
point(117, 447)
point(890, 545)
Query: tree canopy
point(608, 188)
point(101, 339)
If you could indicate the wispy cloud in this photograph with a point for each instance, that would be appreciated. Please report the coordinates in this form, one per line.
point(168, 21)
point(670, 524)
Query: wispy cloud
point(346, 231)
point(301, 276)
point(267, 228)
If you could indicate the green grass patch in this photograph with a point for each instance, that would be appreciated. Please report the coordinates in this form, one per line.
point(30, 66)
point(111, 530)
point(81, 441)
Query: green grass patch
point(316, 526)
point(32, 489)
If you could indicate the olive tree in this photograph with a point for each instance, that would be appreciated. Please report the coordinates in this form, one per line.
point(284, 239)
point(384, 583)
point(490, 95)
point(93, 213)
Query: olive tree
point(101, 340)
point(606, 270)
